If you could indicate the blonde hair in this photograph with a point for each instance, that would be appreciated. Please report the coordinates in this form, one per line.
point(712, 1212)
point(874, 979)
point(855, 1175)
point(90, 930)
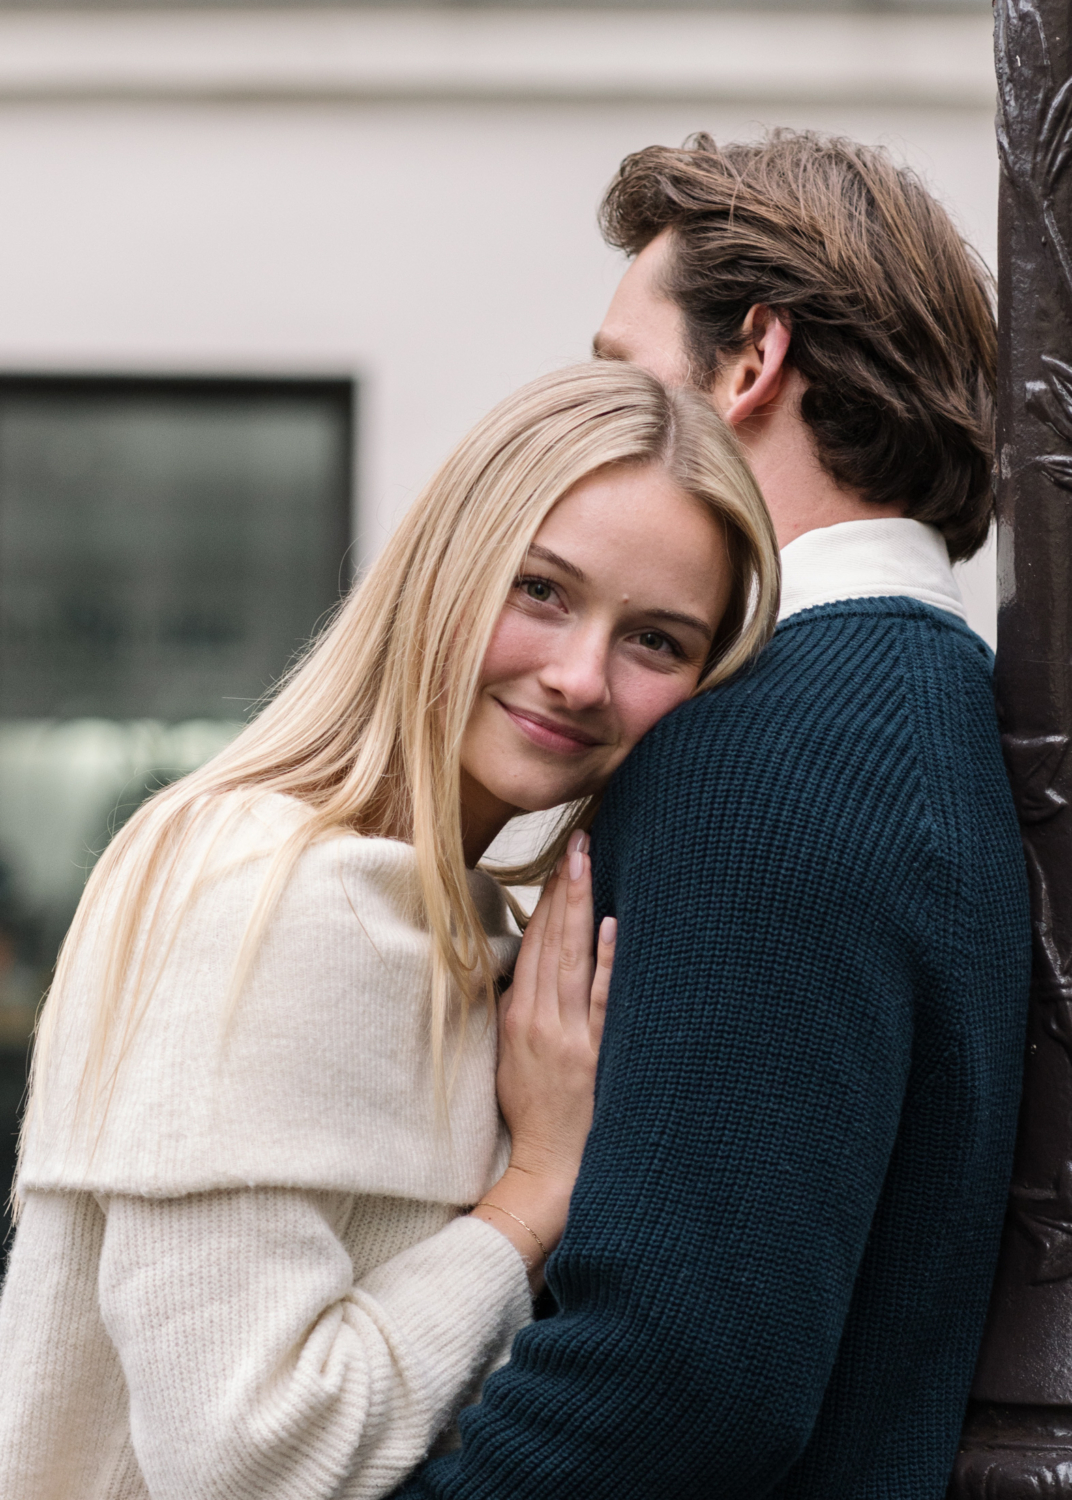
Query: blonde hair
point(366, 730)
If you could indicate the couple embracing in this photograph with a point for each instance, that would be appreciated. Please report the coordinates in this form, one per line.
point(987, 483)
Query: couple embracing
point(287, 1193)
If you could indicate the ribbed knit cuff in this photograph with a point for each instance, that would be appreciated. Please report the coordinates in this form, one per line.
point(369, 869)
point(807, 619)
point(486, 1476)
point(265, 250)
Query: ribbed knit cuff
point(466, 1294)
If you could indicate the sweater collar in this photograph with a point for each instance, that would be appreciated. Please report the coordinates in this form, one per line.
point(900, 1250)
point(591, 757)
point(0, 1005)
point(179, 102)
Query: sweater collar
point(868, 560)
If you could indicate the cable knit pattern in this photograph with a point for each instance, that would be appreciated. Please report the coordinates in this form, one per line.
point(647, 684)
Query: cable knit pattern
point(254, 1284)
point(777, 1262)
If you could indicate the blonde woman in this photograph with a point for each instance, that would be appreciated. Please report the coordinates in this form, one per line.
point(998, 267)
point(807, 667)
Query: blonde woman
point(264, 1096)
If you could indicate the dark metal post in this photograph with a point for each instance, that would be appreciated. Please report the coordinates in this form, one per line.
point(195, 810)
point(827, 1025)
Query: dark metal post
point(1018, 1439)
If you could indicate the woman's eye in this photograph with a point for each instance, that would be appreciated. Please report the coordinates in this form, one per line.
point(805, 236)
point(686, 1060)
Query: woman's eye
point(537, 588)
point(654, 640)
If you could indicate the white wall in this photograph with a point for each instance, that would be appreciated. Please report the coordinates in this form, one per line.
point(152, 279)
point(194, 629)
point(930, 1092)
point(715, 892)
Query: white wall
point(433, 234)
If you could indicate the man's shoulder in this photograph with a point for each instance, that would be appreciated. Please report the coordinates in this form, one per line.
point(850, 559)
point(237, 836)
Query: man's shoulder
point(862, 742)
point(829, 664)
point(845, 700)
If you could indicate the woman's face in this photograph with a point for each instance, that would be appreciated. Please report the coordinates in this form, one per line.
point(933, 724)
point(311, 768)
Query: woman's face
point(606, 629)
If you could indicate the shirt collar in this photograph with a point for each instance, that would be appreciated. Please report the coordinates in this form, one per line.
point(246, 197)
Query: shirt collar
point(868, 560)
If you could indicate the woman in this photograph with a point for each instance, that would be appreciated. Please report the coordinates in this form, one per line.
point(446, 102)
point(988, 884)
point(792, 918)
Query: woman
point(265, 1088)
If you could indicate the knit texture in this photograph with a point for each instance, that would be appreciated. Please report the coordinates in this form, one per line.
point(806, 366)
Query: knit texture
point(257, 1287)
point(779, 1251)
point(323, 1078)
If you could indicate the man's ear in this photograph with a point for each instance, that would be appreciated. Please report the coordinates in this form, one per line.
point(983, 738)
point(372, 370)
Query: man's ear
point(754, 377)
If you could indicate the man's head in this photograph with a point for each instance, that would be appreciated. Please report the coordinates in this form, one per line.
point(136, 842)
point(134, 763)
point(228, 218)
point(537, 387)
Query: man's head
point(814, 273)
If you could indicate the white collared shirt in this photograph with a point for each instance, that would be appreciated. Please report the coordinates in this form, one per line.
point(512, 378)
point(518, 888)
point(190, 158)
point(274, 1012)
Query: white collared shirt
point(869, 560)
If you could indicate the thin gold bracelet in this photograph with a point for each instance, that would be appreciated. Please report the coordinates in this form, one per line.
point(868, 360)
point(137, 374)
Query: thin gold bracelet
point(485, 1204)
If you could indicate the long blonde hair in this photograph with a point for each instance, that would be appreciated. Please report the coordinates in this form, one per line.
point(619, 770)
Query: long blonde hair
point(366, 729)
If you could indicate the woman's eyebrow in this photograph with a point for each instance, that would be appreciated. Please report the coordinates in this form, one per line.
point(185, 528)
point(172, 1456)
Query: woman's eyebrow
point(672, 616)
point(546, 555)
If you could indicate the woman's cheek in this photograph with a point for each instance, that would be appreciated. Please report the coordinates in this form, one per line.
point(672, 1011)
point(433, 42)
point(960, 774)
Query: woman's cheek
point(646, 697)
point(514, 649)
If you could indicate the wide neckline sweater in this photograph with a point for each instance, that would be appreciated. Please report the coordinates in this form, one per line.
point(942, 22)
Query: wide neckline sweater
point(250, 1278)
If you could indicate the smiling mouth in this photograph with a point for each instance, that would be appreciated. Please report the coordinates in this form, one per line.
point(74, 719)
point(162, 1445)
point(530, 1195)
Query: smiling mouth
point(549, 734)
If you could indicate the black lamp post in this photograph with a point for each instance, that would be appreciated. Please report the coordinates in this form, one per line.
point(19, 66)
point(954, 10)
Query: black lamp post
point(1018, 1439)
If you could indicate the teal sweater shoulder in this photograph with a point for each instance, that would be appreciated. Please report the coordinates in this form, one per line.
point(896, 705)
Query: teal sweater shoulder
point(777, 1262)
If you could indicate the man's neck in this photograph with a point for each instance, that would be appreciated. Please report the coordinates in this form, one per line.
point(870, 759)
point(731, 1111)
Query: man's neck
point(793, 515)
point(801, 496)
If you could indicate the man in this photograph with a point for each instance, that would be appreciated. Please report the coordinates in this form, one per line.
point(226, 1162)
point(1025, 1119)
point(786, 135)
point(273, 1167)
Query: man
point(776, 1268)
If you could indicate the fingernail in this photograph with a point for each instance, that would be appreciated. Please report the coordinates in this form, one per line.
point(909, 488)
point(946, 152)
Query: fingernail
point(576, 865)
point(576, 840)
point(583, 845)
point(608, 929)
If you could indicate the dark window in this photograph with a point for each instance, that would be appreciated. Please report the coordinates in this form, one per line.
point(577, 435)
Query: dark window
point(166, 546)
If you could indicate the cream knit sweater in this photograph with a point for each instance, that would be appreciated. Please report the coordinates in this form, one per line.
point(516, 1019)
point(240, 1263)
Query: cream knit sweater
point(250, 1279)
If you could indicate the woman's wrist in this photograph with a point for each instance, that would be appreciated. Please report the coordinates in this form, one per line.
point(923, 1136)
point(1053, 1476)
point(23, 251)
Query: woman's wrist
point(530, 1211)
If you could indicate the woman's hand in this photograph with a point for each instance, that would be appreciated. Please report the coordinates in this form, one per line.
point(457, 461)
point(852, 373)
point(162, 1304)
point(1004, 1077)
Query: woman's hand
point(550, 1026)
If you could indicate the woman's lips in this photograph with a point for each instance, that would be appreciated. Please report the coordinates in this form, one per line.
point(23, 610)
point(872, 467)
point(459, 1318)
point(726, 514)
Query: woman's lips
point(549, 734)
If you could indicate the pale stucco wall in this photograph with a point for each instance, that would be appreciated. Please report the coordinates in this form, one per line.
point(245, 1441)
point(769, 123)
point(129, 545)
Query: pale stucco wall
point(407, 196)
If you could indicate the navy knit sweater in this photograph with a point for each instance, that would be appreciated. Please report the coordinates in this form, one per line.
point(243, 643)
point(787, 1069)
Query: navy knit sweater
point(779, 1250)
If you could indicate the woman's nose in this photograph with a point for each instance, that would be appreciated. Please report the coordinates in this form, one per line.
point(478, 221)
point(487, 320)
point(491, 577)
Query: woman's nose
point(578, 671)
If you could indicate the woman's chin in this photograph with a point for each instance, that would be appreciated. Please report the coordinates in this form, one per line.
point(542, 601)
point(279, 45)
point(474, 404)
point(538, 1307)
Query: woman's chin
point(546, 800)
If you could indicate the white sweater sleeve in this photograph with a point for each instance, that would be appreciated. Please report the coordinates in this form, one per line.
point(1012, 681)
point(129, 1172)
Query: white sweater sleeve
point(257, 1368)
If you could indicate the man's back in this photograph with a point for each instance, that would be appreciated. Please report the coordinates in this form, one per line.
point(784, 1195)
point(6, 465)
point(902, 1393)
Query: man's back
point(856, 971)
point(777, 1262)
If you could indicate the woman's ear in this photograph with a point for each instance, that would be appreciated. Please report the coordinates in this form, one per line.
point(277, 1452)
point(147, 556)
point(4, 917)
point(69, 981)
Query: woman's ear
point(754, 377)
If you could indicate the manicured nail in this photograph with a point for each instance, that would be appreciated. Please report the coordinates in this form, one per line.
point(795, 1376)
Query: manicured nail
point(576, 865)
point(608, 929)
point(575, 841)
point(584, 844)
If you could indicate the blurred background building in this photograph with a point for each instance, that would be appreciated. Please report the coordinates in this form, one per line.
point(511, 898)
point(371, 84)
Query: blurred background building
point(260, 265)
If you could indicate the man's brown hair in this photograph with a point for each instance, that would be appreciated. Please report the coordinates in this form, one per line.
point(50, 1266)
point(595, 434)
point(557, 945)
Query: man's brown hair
point(890, 311)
